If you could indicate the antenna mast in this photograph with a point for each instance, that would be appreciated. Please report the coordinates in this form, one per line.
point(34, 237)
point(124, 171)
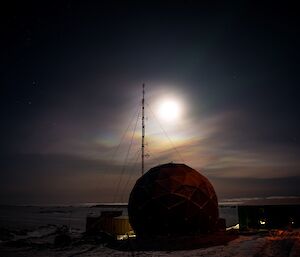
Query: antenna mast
point(143, 129)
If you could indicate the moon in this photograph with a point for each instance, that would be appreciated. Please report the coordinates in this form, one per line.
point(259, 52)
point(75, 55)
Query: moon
point(169, 110)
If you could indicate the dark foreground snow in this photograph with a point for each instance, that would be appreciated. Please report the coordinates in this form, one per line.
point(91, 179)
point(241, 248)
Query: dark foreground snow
point(276, 243)
point(31, 231)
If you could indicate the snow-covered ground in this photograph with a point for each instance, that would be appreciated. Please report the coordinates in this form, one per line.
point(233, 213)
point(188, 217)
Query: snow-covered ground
point(286, 244)
point(37, 227)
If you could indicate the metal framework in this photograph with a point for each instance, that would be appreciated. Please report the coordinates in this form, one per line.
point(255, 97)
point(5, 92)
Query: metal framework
point(143, 130)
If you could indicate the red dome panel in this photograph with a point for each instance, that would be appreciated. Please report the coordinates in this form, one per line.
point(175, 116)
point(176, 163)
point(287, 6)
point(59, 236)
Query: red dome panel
point(172, 199)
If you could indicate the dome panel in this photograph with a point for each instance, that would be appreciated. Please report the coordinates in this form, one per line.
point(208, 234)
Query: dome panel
point(172, 199)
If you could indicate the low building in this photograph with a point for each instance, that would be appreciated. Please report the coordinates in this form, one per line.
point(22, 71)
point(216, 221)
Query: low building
point(269, 216)
point(109, 222)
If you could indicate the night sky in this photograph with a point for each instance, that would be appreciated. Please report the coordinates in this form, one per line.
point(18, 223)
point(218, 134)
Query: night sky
point(71, 81)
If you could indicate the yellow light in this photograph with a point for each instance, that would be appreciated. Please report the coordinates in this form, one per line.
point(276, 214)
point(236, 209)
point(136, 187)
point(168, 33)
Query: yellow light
point(262, 222)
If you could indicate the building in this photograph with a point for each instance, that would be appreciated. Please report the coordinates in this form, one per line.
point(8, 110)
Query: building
point(269, 216)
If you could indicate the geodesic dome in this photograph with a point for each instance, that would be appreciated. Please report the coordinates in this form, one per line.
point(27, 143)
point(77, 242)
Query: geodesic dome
point(172, 199)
